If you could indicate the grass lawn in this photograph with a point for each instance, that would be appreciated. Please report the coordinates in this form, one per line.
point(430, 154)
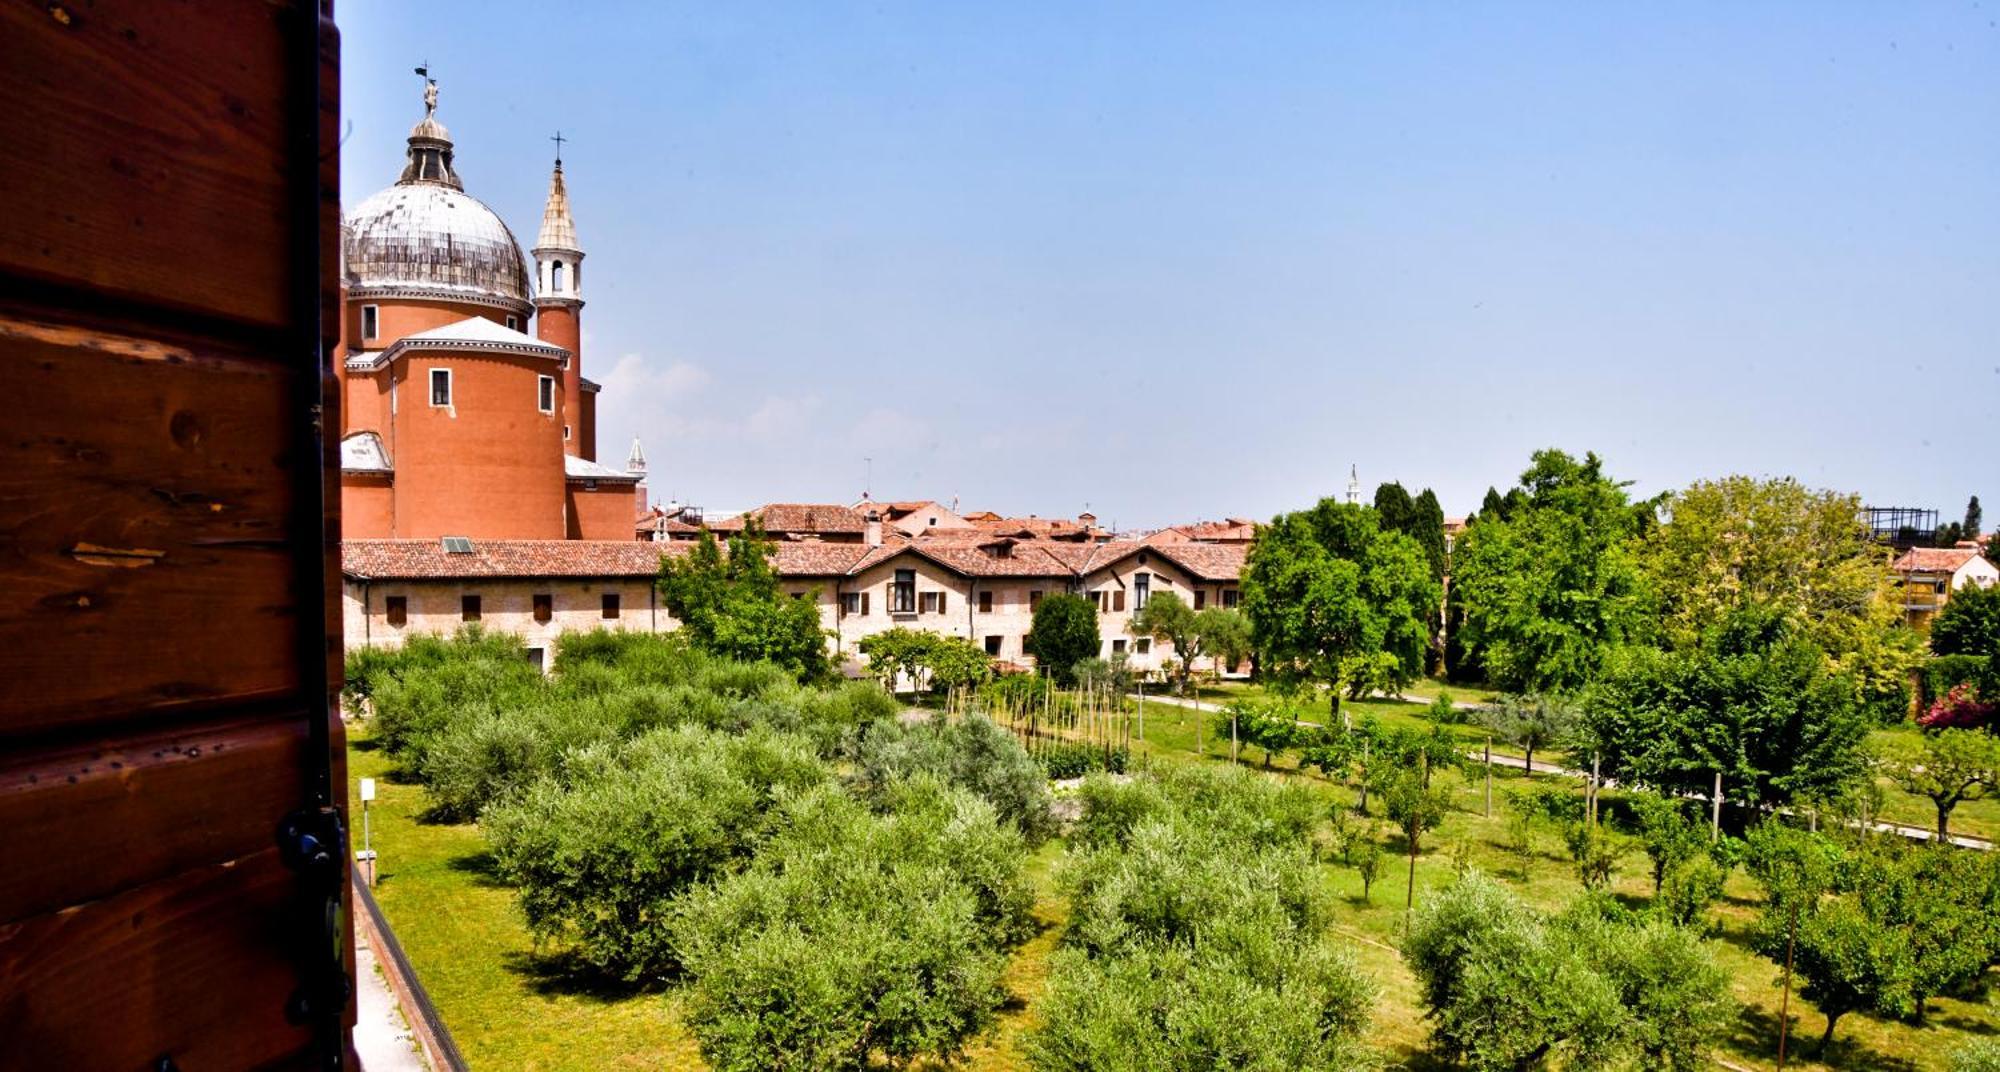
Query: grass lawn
point(508, 1009)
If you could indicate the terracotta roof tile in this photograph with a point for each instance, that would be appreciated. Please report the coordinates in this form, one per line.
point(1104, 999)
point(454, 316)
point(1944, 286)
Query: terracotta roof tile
point(1934, 559)
point(427, 559)
point(798, 517)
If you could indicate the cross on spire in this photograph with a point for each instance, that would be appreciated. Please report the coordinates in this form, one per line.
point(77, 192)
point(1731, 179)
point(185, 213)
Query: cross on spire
point(559, 139)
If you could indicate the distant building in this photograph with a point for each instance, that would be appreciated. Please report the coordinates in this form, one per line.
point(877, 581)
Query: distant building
point(1927, 576)
point(455, 420)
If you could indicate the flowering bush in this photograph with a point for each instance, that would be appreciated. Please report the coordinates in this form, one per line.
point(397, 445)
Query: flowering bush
point(1961, 708)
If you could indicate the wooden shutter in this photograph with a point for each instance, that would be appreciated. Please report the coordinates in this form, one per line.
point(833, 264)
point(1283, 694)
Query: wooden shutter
point(170, 640)
point(1118, 599)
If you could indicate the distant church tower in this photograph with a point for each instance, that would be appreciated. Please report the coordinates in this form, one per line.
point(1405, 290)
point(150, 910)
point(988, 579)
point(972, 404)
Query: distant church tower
point(559, 312)
point(1353, 483)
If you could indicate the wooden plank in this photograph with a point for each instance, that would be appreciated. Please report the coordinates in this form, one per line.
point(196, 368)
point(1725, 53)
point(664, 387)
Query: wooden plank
point(93, 819)
point(145, 500)
point(197, 967)
point(143, 153)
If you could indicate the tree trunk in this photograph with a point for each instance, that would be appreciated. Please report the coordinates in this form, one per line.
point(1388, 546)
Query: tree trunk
point(1944, 821)
point(1531, 761)
point(1826, 1039)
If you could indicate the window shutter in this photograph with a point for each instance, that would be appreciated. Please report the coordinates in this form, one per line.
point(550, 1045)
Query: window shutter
point(864, 604)
point(941, 603)
point(1118, 599)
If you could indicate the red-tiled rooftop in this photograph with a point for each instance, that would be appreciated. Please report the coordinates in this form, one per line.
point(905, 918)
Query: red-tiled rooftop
point(1934, 559)
point(798, 517)
point(428, 560)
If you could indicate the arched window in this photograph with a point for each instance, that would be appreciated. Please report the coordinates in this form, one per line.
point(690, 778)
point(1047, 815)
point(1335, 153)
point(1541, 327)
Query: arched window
point(556, 277)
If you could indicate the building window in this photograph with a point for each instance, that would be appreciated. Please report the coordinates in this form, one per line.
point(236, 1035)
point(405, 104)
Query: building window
point(565, 433)
point(1142, 585)
point(468, 608)
point(513, 322)
point(440, 387)
point(850, 604)
point(399, 610)
point(985, 602)
point(993, 645)
point(1200, 598)
point(931, 603)
point(556, 277)
point(1143, 645)
point(545, 393)
point(1230, 597)
point(1118, 647)
point(1034, 599)
point(538, 658)
point(611, 604)
point(545, 606)
point(903, 594)
point(371, 322)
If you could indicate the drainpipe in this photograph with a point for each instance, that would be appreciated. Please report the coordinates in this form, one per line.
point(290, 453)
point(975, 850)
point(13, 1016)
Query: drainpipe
point(971, 607)
point(367, 614)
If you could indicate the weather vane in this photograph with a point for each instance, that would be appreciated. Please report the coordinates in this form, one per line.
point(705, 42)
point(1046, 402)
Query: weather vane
point(559, 139)
point(430, 89)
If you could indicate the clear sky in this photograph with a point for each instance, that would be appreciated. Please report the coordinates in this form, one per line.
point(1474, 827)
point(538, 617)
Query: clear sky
point(1183, 261)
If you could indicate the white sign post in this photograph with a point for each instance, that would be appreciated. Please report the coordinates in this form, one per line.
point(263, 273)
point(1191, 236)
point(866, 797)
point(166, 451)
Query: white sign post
point(366, 857)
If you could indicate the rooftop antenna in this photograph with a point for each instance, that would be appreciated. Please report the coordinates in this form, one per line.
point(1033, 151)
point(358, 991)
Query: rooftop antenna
point(559, 139)
point(868, 482)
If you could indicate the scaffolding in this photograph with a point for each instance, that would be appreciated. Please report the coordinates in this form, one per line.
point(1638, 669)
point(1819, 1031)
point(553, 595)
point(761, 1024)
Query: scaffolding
point(1903, 526)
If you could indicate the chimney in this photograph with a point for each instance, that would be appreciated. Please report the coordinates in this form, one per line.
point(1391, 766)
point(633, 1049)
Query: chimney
point(873, 531)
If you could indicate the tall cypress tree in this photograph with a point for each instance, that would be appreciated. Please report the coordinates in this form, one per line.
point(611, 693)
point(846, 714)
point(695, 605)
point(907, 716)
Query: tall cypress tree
point(1427, 527)
point(1394, 510)
point(1973, 520)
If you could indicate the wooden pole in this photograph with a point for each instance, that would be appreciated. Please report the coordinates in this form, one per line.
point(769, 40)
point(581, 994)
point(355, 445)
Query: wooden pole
point(1785, 1005)
point(1489, 776)
point(1596, 784)
point(1232, 737)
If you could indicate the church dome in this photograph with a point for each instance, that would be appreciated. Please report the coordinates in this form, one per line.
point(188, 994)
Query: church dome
point(425, 237)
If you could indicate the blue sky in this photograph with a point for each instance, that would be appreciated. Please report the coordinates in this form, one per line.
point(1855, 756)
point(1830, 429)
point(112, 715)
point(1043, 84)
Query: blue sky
point(1179, 261)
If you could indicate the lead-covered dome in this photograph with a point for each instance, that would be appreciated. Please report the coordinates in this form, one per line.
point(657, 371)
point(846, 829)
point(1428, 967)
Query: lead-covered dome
point(425, 237)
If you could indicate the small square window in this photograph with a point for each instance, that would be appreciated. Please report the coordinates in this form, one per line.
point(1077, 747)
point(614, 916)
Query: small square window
point(545, 393)
point(1034, 599)
point(371, 322)
point(440, 387)
point(993, 645)
point(930, 603)
point(1200, 598)
point(1117, 647)
point(398, 610)
point(611, 604)
point(565, 433)
point(513, 322)
point(545, 605)
point(1143, 645)
point(986, 603)
point(468, 608)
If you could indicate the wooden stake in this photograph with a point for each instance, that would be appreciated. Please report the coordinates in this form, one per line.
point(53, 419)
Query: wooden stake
point(1785, 1005)
point(1489, 776)
point(1715, 810)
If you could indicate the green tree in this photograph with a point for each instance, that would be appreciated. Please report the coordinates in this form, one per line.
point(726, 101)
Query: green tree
point(732, 605)
point(1326, 587)
point(1167, 619)
point(1669, 837)
point(1531, 722)
point(1553, 585)
point(1948, 767)
point(1974, 519)
point(1427, 528)
point(1063, 633)
point(1394, 509)
point(1969, 624)
point(1225, 633)
point(1755, 700)
point(1416, 807)
point(1773, 543)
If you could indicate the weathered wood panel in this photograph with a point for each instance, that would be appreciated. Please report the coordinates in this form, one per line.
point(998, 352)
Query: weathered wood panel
point(99, 817)
point(145, 499)
point(143, 153)
point(196, 975)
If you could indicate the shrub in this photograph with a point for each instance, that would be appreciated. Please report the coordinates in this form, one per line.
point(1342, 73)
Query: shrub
point(472, 762)
point(1063, 760)
point(1979, 1055)
point(1960, 708)
point(1506, 989)
point(600, 855)
point(854, 936)
point(972, 754)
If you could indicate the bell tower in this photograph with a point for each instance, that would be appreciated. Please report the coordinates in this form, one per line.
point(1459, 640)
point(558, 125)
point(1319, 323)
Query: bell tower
point(559, 309)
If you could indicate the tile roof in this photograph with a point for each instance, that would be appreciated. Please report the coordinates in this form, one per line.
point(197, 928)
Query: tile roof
point(807, 559)
point(428, 560)
point(798, 517)
point(1934, 559)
